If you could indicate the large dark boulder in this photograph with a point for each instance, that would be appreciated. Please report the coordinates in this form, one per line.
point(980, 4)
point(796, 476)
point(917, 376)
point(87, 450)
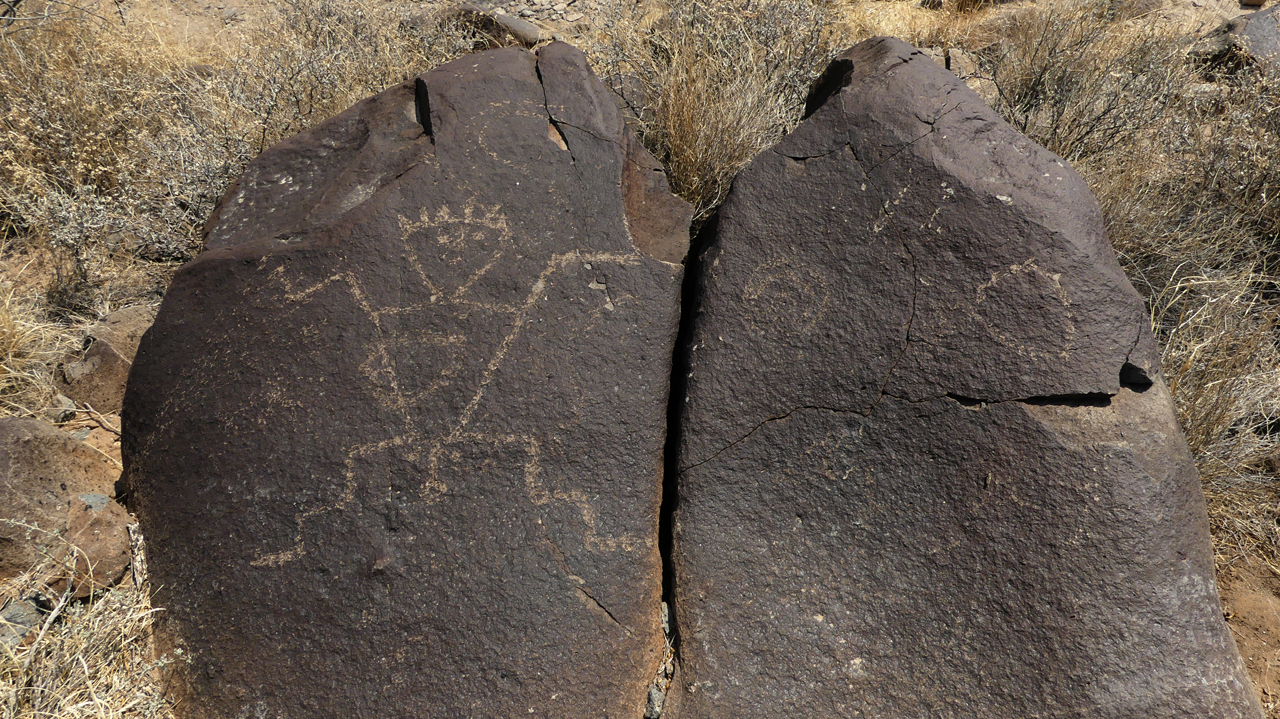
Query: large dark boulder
point(929, 466)
point(396, 437)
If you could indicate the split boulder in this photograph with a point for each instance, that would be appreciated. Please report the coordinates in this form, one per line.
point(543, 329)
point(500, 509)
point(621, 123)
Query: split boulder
point(929, 465)
point(396, 436)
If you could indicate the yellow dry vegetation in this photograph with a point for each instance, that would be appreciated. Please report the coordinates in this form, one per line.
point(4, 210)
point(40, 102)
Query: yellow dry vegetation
point(117, 136)
point(86, 659)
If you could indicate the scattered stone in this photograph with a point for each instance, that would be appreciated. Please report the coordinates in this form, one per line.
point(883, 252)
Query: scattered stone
point(961, 63)
point(96, 375)
point(408, 409)
point(1241, 42)
point(524, 32)
point(19, 622)
point(41, 471)
point(929, 465)
point(574, 17)
point(653, 707)
point(937, 54)
point(62, 411)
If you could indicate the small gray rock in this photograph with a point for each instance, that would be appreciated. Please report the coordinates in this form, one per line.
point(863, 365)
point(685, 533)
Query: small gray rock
point(18, 619)
point(653, 708)
point(62, 410)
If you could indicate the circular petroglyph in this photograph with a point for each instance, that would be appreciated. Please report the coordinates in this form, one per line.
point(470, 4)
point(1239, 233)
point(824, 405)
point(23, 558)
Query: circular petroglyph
point(787, 299)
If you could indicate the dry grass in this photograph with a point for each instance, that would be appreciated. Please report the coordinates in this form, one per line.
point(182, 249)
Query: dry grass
point(1079, 82)
point(721, 81)
point(28, 347)
point(91, 659)
point(116, 140)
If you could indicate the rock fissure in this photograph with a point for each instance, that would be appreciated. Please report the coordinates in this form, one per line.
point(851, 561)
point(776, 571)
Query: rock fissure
point(804, 158)
point(778, 418)
point(1083, 399)
point(422, 107)
point(561, 139)
point(585, 130)
point(587, 593)
point(910, 143)
point(681, 361)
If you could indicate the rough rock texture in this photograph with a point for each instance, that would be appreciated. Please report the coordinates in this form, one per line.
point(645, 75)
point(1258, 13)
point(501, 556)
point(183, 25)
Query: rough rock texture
point(396, 437)
point(96, 376)
point(42, 470)
point(1242, 40)
point(928, 465)
point(98, 544)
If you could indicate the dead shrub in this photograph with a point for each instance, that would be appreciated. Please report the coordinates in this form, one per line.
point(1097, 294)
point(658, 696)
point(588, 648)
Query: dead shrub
point(28, 347)
point(1080, 83)
point(88, 658)
point(721, 81)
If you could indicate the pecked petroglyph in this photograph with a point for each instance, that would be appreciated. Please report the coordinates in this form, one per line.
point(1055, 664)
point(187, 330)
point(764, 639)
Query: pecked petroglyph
point(474, 225)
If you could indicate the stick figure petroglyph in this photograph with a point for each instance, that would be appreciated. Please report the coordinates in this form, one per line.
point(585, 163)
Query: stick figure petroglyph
point(456, 234)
